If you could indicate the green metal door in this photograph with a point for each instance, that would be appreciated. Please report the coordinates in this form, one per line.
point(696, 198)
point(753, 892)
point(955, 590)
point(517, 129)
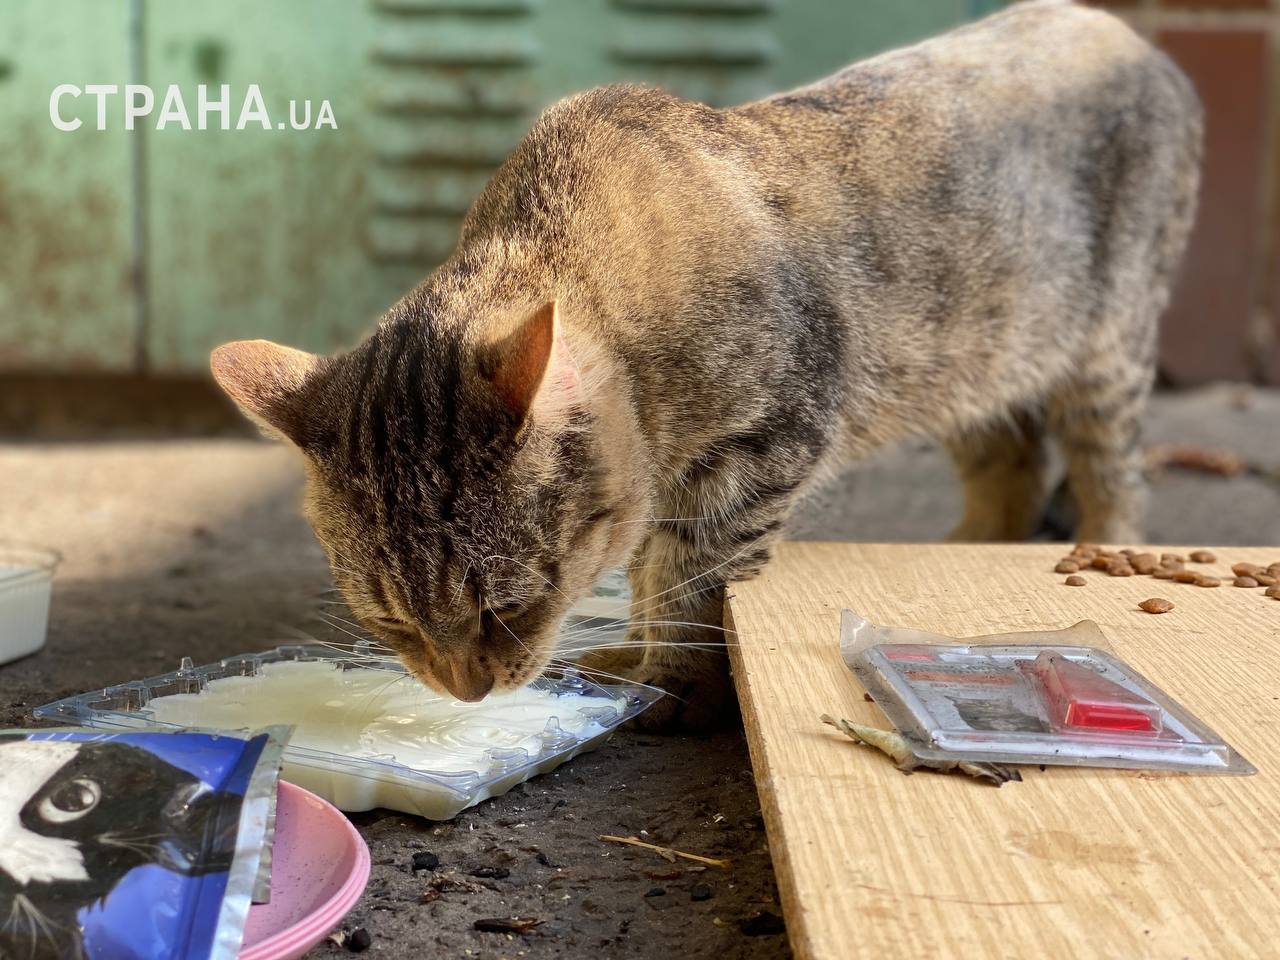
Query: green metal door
point(306, 236)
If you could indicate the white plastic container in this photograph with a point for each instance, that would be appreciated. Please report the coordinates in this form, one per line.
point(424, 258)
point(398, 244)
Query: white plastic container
point(26, 580)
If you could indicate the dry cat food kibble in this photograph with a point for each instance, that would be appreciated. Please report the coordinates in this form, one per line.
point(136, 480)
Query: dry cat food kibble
point(1127, 562)
point(1144, 563)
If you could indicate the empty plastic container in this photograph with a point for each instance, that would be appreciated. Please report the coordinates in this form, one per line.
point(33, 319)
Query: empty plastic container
point(26, 579)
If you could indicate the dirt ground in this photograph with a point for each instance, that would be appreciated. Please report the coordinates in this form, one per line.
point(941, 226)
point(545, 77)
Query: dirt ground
point(196, 548)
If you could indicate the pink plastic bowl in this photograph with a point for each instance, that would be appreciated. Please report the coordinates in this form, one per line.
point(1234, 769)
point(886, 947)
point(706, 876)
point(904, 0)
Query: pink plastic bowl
point(319, 868)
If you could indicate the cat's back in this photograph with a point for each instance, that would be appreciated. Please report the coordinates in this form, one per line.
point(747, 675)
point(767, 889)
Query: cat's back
point(1036, 63)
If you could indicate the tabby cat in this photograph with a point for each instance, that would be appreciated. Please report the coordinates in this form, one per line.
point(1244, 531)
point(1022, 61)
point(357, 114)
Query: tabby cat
point(665, 322)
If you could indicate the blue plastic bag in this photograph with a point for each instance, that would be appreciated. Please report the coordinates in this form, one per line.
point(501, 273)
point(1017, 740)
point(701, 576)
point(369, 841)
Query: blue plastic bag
point(143, 845)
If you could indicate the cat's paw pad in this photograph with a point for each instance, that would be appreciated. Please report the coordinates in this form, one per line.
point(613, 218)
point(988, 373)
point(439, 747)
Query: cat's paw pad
point(699, 698)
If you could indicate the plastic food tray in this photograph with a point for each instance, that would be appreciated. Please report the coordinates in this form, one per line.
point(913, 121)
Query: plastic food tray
point(362, 783)
point(26, 581)
point(1046, 703)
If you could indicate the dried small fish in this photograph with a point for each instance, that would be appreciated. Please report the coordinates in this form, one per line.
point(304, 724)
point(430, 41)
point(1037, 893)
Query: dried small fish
point(896, 748)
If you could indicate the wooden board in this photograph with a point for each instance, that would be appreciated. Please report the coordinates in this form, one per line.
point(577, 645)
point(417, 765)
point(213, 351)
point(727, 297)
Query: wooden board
point(1068, 863)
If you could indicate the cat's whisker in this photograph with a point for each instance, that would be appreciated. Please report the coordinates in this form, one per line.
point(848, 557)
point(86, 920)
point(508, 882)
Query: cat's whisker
point(565, 670)
point(662, 520)
point(294, 632)
point(363, 644)
point(368, 705)
point(351, 623)
point(515, 638)
point(136, 844)
point(604, 687)
point(543, 577)
point(462, 581)
point(39, 924)
point(641, 645)
point(646, 623)
point(698, 576)
point(349, 655)
point(345, 645)
point(328, 618)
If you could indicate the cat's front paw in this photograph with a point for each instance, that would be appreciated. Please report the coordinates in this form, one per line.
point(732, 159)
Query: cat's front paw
point(699, 695)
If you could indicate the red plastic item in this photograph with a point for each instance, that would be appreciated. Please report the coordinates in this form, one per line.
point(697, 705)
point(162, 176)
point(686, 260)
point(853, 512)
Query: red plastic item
point(1082, 698)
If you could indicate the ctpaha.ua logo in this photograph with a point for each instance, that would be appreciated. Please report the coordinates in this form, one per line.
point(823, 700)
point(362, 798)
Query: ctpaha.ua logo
point(138, 101)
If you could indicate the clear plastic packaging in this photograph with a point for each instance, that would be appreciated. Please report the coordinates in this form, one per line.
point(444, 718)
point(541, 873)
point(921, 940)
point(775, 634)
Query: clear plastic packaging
point(135, 846)
point(1038, 698)
point(366, 739)
point(26, 582)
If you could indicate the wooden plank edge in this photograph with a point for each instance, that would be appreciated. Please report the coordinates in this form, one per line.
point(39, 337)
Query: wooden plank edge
point(793, 909)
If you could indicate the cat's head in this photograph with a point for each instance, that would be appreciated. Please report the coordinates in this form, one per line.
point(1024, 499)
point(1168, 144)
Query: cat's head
point(80, 815)
point(456, 479)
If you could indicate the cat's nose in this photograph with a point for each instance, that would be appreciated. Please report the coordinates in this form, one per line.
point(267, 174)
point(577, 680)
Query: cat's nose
point(466, 677)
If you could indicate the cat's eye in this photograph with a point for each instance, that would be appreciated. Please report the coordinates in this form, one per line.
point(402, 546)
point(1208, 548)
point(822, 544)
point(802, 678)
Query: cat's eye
point(70, 800)
point(504, 610)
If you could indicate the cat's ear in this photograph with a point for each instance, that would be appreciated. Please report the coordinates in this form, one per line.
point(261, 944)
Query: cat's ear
point(530, 362)
point(265, 380)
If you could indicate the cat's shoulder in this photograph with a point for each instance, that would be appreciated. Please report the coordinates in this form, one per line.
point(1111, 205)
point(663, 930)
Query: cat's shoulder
point(622, 112)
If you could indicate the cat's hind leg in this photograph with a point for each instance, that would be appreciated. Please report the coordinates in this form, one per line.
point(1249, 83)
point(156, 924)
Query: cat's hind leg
point(1096, 417)
point(1003, 469)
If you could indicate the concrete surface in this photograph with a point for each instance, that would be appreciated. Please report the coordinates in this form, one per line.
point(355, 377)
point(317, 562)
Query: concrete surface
point(196, 548)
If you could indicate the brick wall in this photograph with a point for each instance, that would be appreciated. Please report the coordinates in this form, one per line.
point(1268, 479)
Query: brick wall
point(1224, 322)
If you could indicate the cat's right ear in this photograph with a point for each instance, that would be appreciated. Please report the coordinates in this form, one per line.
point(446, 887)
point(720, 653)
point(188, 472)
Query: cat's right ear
point(265, 380)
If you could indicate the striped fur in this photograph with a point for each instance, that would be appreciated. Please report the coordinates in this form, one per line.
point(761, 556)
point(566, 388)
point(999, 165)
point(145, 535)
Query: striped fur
point(970, 238)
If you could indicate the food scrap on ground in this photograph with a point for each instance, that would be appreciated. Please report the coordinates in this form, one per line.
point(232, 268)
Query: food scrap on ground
point(1185, 456)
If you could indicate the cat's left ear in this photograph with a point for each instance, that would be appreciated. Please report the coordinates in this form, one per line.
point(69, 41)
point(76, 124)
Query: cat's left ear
point(531, 366)
point(265, 380)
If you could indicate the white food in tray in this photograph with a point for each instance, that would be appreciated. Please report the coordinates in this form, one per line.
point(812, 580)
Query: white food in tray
point(390, 720)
